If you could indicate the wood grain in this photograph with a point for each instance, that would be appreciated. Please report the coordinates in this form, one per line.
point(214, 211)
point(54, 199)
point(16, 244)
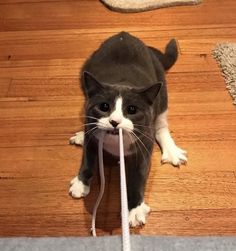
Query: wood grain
point(4, 86)
point(43, 44)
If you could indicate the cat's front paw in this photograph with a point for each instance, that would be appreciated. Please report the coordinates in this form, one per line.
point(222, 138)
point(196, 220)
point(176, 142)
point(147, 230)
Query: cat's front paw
point(78, 189)
point(78, 139)
point(174, 155)
point(137, 216)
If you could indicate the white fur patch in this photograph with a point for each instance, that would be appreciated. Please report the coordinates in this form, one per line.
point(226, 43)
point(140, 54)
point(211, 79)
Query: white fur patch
point(111, 142)
point(137, 216)
point(78, 189)
point(78, 139)
point(161, 121)
point(170, 152)
point(117, 114)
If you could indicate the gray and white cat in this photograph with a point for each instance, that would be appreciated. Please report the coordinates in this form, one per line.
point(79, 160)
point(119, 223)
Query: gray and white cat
point(125, 87)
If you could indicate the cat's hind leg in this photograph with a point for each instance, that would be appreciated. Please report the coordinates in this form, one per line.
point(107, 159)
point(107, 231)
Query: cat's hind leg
point(170, 152)
point(77, 139)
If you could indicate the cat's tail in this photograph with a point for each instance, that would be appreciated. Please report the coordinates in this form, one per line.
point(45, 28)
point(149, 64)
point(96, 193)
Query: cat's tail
point(169, 57)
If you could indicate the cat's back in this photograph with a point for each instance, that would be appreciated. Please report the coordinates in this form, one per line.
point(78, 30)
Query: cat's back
point(121, 56)
point(120, 47)
point(123, 48)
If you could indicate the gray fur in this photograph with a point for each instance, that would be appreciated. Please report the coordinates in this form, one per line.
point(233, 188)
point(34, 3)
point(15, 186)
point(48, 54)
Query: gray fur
point(124, 65)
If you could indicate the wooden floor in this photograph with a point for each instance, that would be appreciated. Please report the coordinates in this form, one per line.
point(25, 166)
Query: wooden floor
point(43, 44)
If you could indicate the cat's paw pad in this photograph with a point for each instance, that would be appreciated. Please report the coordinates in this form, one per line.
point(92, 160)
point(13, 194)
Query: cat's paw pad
point(78, 189)
point(78, 139)
point(175, 156)
point(137, 216)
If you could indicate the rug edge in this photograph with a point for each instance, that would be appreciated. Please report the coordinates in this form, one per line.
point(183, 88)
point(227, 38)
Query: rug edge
point(217, 53)
point(117, 8)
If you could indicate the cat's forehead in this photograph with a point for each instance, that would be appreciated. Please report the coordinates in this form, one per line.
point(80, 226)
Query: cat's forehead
point(113, 93)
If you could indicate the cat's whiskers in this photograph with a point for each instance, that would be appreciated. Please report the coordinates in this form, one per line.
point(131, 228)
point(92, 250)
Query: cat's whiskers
point(88, 124)
point(144, 134)
point(90, 130)
point(150, 127)
point(134, 143)
point(140, 148)
point(91, 133)
point(138, 144)
point(93, 123)
point(96, 123)
point(90, 117)
point(133, 133)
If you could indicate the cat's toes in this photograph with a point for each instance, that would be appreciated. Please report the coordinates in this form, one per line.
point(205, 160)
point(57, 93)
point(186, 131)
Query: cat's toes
point(78, 139)
point(175, 156)
point(137, 216)
point(78, 189)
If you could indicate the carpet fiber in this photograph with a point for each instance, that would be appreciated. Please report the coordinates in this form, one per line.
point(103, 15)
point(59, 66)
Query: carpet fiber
point(144, 5)
point(225, 55)
point(108, 243)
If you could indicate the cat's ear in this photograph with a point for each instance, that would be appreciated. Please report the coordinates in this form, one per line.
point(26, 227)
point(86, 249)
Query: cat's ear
point(151, 92)
point(90, 85)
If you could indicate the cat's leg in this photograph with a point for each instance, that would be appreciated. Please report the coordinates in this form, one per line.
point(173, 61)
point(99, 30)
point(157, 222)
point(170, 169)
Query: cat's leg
point(78, 189)
point(170, 152)
point(136, 179)
point(80, 185)
point(78, 139)
point(137, 215)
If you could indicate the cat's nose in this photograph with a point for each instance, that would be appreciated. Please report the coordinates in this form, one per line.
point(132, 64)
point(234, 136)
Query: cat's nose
point(114, 123)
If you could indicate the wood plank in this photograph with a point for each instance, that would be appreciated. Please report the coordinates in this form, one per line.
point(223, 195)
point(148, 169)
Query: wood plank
point(27, 109)
point(54, 44)
point(39, 162)
point(44, 87)
point(58, 225)
point(38, 132)
point(26, 1)
point(4, 86)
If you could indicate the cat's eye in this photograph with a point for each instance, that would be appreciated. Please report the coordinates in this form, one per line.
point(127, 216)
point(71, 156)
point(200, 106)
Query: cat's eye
point(131, 109)
point(104, 107)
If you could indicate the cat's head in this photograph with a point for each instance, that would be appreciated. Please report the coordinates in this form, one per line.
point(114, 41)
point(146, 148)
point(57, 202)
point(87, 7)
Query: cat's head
point(110, 107)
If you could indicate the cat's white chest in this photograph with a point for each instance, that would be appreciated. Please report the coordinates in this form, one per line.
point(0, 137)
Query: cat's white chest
point(111, 144)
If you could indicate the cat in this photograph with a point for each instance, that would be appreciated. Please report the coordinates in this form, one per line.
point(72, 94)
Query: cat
point(125, 87)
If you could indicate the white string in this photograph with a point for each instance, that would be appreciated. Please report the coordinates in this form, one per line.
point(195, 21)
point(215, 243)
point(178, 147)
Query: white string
point(102, 178)
point(124, 200)
point(123, 188)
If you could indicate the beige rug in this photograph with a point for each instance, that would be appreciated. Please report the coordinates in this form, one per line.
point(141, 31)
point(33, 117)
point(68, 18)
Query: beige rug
point(144, 5)
point(225, 54)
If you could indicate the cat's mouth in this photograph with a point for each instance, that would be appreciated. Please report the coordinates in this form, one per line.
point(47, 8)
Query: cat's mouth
point(113, 132)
